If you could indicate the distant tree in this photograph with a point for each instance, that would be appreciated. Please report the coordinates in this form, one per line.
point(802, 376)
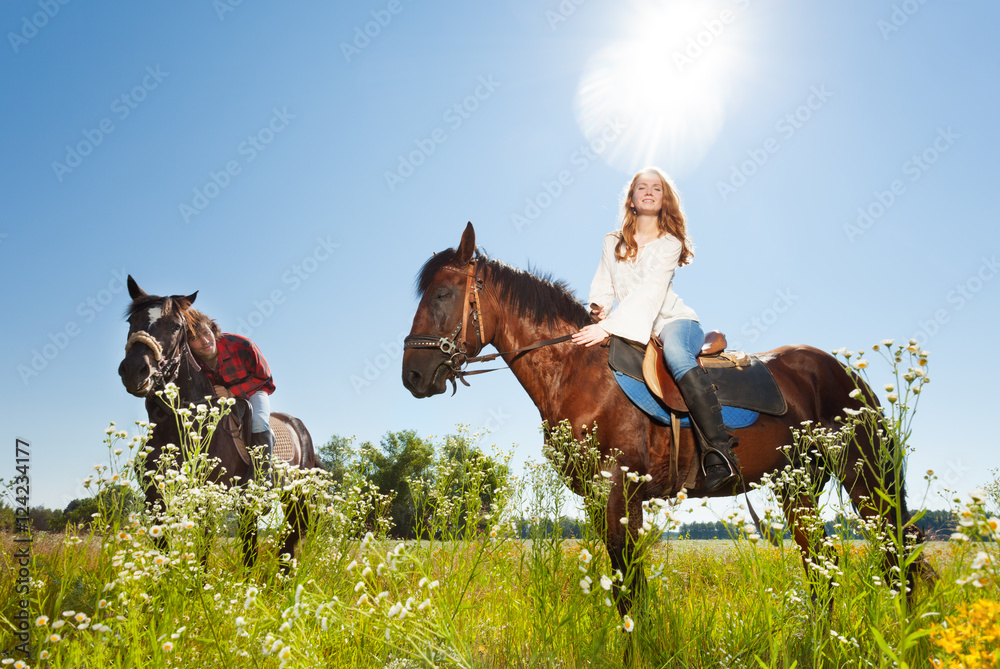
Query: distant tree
point(337, 455)
point(937, 525)
point(114, 503)
point(400, 456)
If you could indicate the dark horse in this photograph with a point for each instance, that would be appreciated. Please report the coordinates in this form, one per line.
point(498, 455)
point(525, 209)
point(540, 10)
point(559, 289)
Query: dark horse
point(157, 353)
point(467, 302)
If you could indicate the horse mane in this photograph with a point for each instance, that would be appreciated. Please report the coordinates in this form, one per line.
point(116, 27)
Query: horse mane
point(539, 298)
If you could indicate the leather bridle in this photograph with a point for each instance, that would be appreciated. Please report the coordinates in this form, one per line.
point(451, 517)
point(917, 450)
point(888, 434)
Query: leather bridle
point(457, 351)
point(472, 312)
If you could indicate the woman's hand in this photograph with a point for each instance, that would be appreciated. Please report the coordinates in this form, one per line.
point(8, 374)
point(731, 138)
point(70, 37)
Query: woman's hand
point(590, 335)
point(597, 312)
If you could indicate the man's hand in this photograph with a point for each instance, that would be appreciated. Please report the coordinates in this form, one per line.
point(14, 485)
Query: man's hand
point(590, 335)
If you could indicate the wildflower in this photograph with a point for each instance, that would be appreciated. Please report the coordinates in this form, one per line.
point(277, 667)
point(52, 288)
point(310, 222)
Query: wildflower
point(859, 364)
point(982, 560)
point(605, 474)
point(54, 638)
point(633, 477)
point(628, 624)
point(41, 621)
point(682, 495)
point(977, 496)
point(422, 582)
point(168, 646)
point(284, 653)
point(359, 586)
point(624, 469)
point(424, 605)
point(892, 398)
point(605, 582)
point(352, 565)
point(854, 394)
point(585, 586)
point(156, 531)
point(585, 556)
point(607, 601)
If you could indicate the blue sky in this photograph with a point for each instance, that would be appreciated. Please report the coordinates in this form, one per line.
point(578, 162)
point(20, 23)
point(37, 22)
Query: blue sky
point(297, 164)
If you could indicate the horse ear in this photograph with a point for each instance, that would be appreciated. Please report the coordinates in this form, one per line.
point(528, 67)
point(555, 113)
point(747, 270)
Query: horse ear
point(185, 301)
point(134, 291)
point(467, 247)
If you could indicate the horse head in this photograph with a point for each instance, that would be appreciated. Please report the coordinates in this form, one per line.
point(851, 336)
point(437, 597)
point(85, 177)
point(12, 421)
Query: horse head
point(448, 327)
point(157, 339)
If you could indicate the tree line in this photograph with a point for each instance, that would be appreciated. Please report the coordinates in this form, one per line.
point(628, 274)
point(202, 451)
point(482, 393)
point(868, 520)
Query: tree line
point(389, 467)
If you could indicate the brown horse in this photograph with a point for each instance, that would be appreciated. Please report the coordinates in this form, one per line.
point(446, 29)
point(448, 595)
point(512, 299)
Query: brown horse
point(157, 353)
point(467, 302)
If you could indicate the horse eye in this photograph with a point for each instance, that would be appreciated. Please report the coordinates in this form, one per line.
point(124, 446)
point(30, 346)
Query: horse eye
point(442, 293)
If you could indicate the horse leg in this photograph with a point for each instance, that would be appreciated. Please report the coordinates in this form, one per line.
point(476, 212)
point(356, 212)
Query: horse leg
point(888, 517)
point(247, 532)
point(809, 533)
point(296, 516)
point(620, 540)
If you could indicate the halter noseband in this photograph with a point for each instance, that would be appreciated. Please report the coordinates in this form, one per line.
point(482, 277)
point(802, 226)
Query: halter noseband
point(167, 369)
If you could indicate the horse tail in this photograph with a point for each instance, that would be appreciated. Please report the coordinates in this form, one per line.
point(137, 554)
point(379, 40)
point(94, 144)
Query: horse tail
point(886, 456)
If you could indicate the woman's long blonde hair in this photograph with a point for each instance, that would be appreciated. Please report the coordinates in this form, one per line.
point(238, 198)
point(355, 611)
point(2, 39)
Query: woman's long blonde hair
point(671, 219)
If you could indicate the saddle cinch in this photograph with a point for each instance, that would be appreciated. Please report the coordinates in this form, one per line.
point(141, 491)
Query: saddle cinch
point(741, 380)
point(237, 423)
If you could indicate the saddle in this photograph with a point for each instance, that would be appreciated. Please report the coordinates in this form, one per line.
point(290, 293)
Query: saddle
point(741, 380)
point(287, 445)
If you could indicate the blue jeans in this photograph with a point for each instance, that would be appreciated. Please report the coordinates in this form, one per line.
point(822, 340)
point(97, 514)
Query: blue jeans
point(260, 412)
point(682, 341)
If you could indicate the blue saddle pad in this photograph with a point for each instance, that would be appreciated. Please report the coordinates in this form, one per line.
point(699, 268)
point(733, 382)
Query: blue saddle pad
point(733, 417)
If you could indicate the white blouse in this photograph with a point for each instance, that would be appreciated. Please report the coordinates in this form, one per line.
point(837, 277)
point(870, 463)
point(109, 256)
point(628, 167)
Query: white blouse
point(642, 287)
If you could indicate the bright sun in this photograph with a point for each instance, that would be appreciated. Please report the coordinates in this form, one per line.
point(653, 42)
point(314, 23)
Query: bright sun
point(659, 95)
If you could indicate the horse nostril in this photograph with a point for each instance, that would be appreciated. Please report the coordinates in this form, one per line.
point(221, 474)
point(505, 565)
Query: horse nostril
point(413, 379)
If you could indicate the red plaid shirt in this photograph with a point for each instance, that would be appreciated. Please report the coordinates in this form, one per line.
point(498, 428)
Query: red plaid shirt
point(241, 368)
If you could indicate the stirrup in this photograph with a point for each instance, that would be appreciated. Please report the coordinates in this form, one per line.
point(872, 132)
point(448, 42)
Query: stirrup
point(728, 480)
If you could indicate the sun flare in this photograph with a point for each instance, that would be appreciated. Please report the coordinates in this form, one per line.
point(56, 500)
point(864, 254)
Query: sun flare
point(665, 85)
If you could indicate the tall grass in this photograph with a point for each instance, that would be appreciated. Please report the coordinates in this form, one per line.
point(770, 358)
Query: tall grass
point(472, 593)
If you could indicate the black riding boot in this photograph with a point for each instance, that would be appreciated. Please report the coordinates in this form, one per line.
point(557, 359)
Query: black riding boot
point(718, 460)
point(262, 462)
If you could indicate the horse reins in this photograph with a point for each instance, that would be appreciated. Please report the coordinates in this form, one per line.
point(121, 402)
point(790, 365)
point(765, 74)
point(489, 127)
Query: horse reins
point(458, 353)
